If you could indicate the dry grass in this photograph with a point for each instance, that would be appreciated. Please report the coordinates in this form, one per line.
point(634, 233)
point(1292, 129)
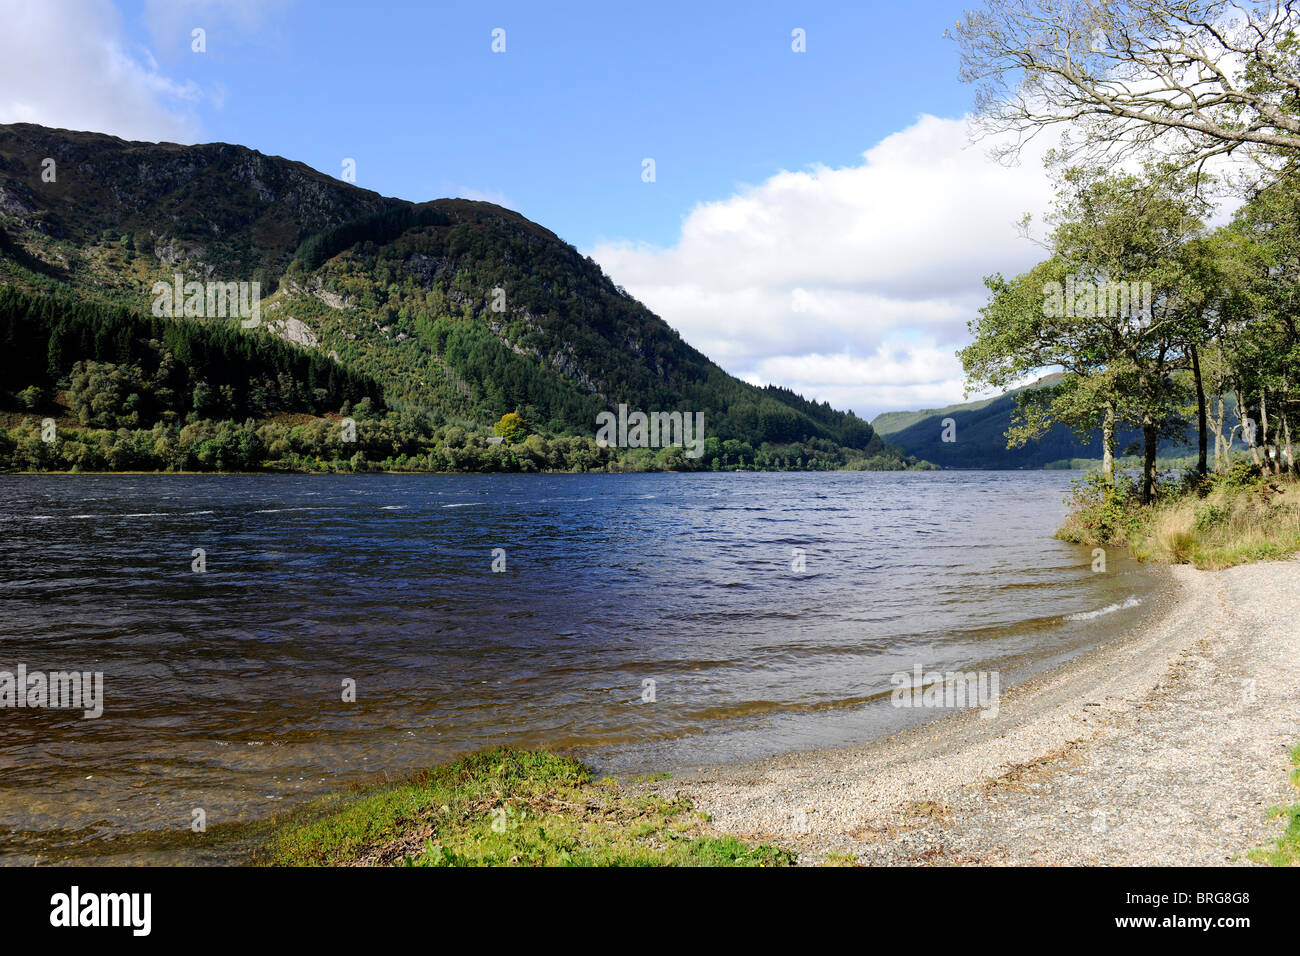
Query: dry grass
point(1231, 525)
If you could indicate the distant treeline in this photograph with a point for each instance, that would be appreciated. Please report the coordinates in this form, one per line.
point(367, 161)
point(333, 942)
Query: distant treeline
point(402, 442)
point(123, 369)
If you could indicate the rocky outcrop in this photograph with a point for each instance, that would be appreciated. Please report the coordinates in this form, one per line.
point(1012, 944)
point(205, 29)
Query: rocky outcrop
point(295, 331)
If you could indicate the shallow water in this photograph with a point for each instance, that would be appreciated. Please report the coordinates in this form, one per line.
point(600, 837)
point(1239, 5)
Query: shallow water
point(223, 688)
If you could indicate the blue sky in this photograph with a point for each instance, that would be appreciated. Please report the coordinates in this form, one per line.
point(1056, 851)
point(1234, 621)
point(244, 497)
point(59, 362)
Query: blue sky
point(559, 124)
point(817, 219)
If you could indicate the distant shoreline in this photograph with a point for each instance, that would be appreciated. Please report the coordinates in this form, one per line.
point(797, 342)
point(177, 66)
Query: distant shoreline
point(598, 471)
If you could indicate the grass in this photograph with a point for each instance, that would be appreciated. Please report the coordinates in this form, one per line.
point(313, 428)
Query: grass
point(506, 807)
point(651, 778)
point(1286, 851)
point(1230, 525)
point(1237, 517)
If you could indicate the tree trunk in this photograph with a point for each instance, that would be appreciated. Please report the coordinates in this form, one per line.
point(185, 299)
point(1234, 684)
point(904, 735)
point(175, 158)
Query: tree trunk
point(1289, 465)
point(1286, 431)
point(1150, 443)
point(1202, 429)
point(1108, 445)
point(1247, 434)
point(1263, 431)
point(1220, 445)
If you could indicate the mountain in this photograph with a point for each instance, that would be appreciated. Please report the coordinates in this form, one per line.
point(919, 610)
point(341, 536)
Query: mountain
point(980, 428)
point(216, 208)
point(459, 311)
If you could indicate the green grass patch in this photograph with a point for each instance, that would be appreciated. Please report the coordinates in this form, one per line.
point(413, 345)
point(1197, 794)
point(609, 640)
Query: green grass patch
point(506, 807)
point(650, 778)
point(1286, 850)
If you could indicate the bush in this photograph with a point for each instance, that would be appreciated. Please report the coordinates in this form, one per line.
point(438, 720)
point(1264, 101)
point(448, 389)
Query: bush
point(1100, 513)
point(1193, 483)
point(1208, 517)
point(31, 398)
point(1242, 473)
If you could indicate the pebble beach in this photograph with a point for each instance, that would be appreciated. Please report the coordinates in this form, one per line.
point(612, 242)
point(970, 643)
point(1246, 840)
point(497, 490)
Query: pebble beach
point(1165, 745)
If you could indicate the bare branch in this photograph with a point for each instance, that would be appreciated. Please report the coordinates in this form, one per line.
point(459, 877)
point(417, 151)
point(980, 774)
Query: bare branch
point(1196, 78)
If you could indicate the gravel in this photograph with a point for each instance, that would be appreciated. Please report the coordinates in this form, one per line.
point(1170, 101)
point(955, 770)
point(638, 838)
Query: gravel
point(1163, 746)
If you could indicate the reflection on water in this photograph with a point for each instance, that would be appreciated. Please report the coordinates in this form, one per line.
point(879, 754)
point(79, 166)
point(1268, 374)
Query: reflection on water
point(224, 689)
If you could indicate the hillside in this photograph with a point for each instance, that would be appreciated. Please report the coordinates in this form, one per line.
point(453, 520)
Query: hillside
point(980, 429)
point(461, 311)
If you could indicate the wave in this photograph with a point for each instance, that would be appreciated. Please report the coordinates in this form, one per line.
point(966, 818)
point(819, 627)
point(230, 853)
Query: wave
point(1130, 602)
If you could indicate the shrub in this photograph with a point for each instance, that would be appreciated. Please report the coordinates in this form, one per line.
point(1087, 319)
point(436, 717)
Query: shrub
point(1208, 517)
point(1101, 513)
point(1242, 473)
point(31, 398)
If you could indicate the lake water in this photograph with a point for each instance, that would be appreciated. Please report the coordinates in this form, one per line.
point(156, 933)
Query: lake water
point(769, 610)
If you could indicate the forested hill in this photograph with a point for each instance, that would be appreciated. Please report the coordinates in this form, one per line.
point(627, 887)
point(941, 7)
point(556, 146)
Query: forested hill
point(461, 311)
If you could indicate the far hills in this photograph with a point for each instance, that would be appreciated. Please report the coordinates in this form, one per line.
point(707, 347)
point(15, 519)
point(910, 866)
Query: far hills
point(433, 321)
point(980, 429)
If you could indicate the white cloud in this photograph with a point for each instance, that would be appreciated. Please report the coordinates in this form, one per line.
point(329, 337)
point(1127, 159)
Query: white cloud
point(916, 375)
point(225, 22)
point(851, 285)
point(71, 64)
point(67, 63)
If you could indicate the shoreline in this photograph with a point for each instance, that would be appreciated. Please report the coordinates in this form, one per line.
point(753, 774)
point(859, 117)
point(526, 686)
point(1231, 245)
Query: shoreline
point(730, 469)
point(1146, 750)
